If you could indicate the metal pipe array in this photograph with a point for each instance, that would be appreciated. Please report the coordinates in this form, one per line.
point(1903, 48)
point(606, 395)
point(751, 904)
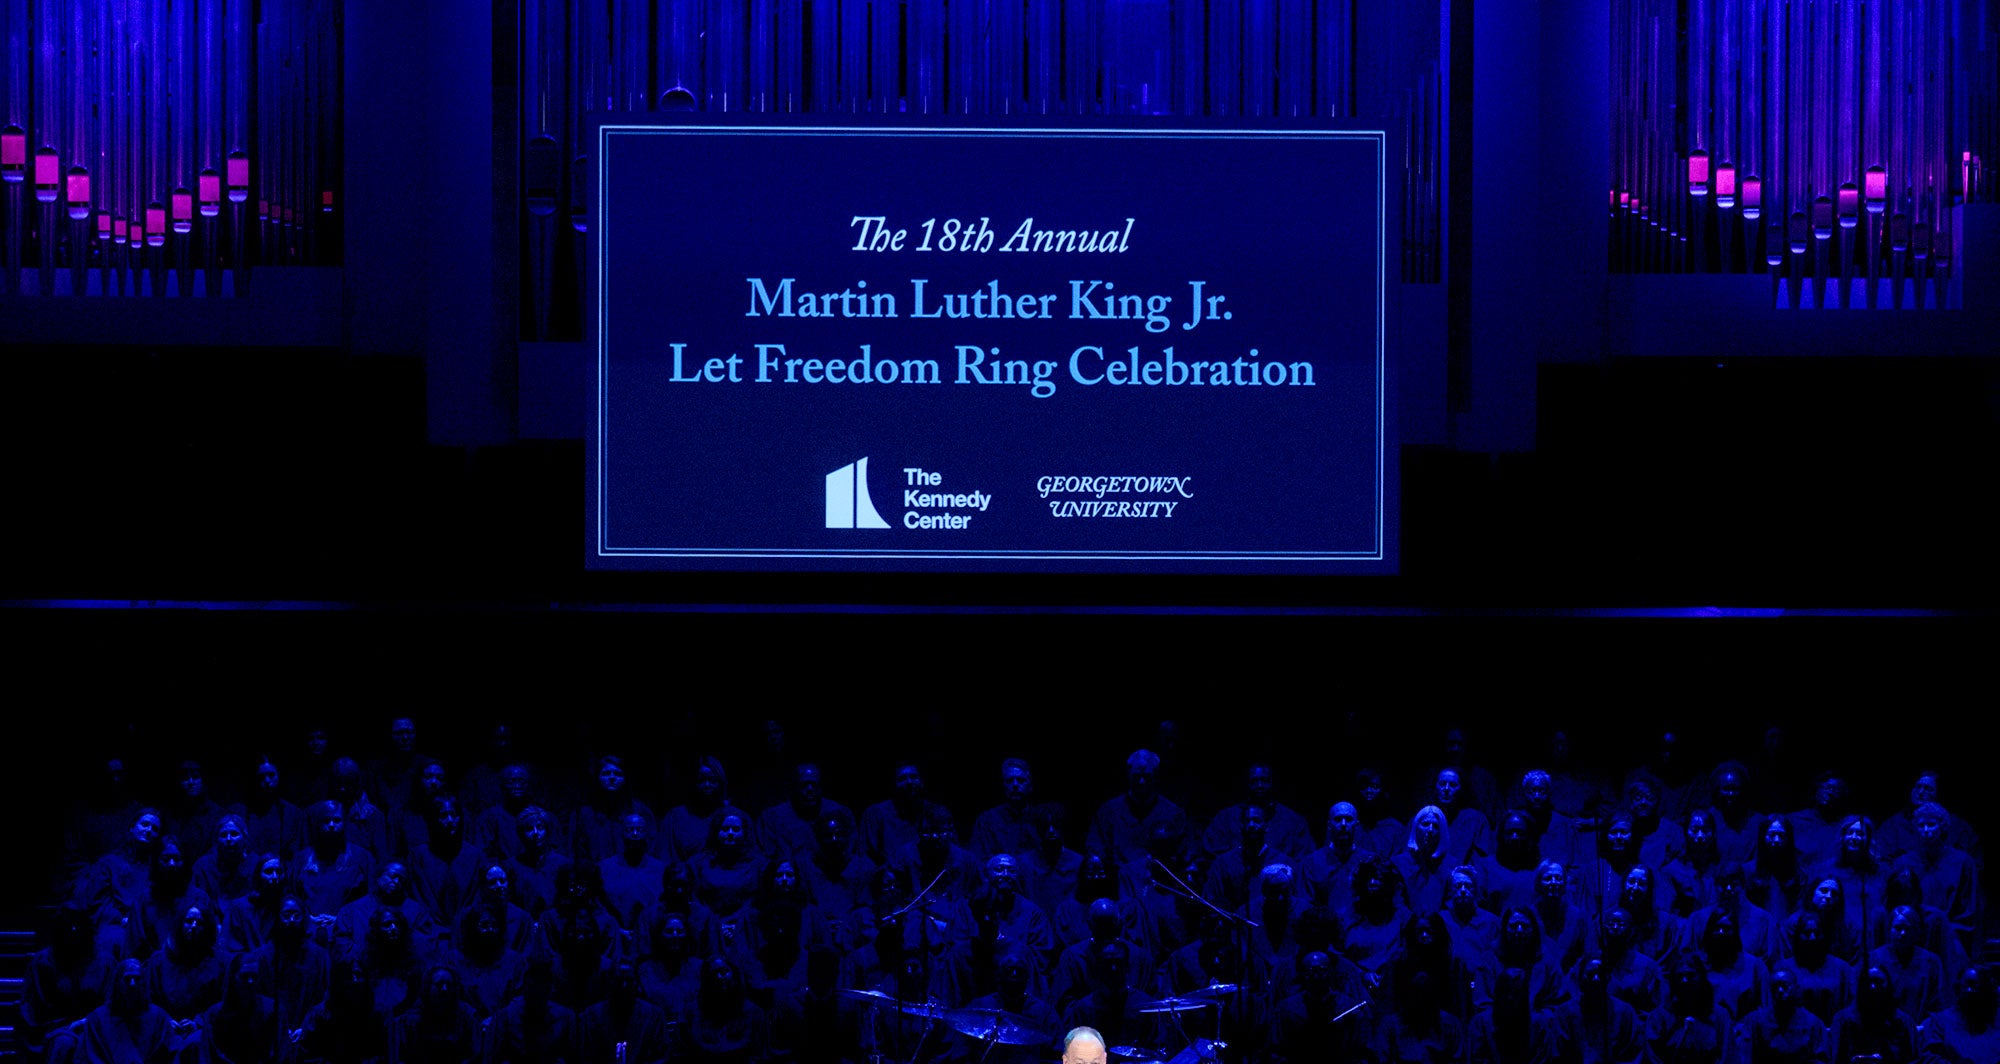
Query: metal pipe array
point(1255, 59)
point(166, 145)
point(1828, 143)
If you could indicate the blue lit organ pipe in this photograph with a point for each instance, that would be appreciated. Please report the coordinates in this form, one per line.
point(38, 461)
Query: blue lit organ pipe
point(1225, 70)
point(158, 142)
point(586, 56)
point(264, 176)
point(541, 178)
point(239, 61)
point(13, 141)
point(1333, 71)
point(14, 85)
point(927, 74)
point(298, 178)
point(106, 64)
point(1081, 37)
point(1007, 40)
point(1724, 170)
point(823, 45)
point(322, 117)
point(270, 141)
point(1809, 98)
point(46, 174)
point(629, 73)
point(1295, 58)
point(1138, 55)
point(678, 50)
point(980, 57)
point(885, 29)
point(985, 56)
point(760, 71)
point(854, 55)
point(48, 103)
point(80, 86)
point(1260, 60)
point(789, 74)
point(1044, 40)
point(1189, 93)
point(1697, 71)
point(132, 138)
point(180, 131)
point(148, 107)
point(965, 30)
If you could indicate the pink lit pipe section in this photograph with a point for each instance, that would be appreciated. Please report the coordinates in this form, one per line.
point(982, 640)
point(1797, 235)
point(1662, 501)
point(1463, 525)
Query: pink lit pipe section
point(47, 166)
point(138, 122)
point(14, 154)
point(1839, 114)
point(77, 185)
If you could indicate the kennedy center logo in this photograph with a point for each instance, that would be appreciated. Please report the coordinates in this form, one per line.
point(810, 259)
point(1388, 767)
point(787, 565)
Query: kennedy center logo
point(847, 501)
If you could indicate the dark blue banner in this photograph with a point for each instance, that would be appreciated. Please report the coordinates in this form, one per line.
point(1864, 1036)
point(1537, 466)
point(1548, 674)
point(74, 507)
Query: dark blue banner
point(1145, 349)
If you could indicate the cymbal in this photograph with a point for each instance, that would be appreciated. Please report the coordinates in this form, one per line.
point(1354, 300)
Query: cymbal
point(1177, 1004)
point(996, 1025)
point(1133, 1052)
point(928, 1010)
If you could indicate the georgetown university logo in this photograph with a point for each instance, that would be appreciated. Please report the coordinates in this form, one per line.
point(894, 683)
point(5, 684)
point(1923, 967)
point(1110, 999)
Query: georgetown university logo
point(847, 501)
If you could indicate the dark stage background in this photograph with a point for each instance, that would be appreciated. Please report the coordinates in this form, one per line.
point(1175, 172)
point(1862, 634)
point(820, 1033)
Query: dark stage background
point(1627, 497)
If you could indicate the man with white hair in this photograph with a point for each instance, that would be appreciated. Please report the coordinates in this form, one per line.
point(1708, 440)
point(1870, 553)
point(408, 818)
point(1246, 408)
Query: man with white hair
point(1083, 1046)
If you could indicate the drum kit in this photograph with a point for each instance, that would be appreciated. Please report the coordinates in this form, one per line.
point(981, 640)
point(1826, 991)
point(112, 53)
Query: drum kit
point(986, 1025)
point(999, 1027)
point(1199, 1051)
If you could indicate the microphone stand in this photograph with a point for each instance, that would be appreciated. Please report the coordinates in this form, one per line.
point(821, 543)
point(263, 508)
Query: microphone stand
point(924, 915)
point(1867, 922)
point(1597, 866)
point(1243, 925)
point(918, 900)
point(1181, 889)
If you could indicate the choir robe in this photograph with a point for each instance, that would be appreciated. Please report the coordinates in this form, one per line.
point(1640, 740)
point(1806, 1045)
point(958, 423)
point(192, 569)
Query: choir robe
point(1006, 828)
point(1951, 883)
point(1768, 1036)
point(1946, 1036)
point(783, 831)
point(1285, 831)
point(251, 1035)
point(107, 1038)
point(1120, 831)
point(1330, 878)
point(1824, 990)
point(1691, 1039)
point(641, 1027)
point(631, 887)
point(328, 885)
point(1918, 984)
point(1892, 1037)
point(435, 1034)
point(1614, 1035)
point(297, 979)
point(1397, 1040)
point(522, 1035)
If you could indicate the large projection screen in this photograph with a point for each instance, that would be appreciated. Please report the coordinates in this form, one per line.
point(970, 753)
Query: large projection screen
point(1117, 348)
